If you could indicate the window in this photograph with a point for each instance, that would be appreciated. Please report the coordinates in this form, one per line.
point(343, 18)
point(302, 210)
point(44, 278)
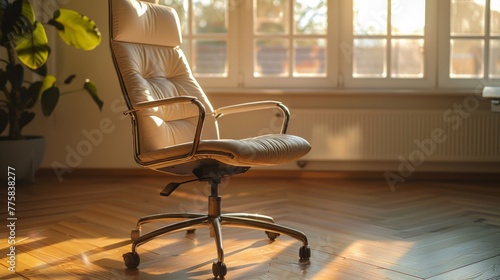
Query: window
point(388, 39)
point(289, 40)
point(335, 44)
point(204, 30)
point(474, 42)
point(389, 44)
point(287, 43)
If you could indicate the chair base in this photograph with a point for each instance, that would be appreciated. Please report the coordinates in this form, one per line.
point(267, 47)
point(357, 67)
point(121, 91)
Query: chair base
point(214, 220)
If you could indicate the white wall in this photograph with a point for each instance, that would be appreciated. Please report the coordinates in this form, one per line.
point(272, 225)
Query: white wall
point(77, 116)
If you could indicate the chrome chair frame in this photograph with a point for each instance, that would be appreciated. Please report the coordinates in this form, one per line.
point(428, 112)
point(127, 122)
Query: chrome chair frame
point(205, 169)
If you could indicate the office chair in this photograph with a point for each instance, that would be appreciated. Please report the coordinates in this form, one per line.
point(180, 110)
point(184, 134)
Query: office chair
point(175, 127)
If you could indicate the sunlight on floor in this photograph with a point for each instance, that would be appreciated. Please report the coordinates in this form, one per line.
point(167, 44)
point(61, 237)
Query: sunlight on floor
point(363, 252)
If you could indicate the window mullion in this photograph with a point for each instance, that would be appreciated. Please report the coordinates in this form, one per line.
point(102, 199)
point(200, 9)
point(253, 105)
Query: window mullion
point(487, 26)
point(190, 32)
point(389, 41)
point(291, 36)
point(446, 78)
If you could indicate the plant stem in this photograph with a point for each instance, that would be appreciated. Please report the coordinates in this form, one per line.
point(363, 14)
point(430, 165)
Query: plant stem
point(14, 127)
point(14, 114)
point(11, 52)
point(71, 91)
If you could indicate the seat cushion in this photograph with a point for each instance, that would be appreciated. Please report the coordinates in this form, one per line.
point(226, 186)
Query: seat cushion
point(265, 150)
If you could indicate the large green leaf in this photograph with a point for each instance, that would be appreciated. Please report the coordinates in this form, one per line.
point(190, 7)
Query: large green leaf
point(17, 18)
point(33, 48)
point(76, 29)
point(42, 70)
point(91, 88)
point(49, 95)
point(49, 100)
point(48, 82)
point(28, 12)
point(4, 120)
point(32, 94)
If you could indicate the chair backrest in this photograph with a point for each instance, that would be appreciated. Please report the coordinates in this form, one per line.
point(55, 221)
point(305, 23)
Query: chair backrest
point(145, 40)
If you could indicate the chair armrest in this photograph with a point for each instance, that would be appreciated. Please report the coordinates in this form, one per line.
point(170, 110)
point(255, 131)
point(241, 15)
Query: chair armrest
point(168, 102)
point(245, 107)
point(254, 106)
point(161, 102)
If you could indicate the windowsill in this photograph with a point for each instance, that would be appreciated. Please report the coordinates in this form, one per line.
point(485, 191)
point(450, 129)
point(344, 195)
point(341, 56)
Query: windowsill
point(350, 92)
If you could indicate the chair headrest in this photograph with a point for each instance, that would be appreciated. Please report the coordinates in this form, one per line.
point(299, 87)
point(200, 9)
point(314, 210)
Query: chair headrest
point(144, 23)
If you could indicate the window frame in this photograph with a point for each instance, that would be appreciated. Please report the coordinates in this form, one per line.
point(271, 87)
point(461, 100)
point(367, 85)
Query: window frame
point(273, 82)
point(427, 81)
point(339, 69)
point(231, 37)
point(445, 80)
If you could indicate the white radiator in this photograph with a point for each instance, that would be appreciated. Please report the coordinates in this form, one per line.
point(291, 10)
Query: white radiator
point(386, 135)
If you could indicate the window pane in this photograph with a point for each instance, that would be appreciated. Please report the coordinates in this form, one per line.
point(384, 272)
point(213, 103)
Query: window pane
point(209, 58)
point(466, 58)
point(310, 17)
point(407, 58)
point(495, 17)
point(181, 7)
point(187, 51)
point(370, 17)
point(209, 16)
point(495, 59)
point(271, 58)
point(271, 16)
point(310, 58)
point(408, 17)
point(369, 58)
point(467, 17)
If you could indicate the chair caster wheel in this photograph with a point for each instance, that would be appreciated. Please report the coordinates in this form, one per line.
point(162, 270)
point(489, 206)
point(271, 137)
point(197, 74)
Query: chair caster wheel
point(219, 269)
point(134, 234)
point(304, 253)
point(132, 260)
point(272, 235)
point(191, 231)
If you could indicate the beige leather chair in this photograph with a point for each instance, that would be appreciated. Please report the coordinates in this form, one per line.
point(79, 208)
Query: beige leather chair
point(175, 128)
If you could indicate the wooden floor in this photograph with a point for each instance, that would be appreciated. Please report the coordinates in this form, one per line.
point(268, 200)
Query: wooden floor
point(79, 229)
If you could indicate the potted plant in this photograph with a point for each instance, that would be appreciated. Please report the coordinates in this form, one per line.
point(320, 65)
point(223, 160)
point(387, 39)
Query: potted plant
point(27, 48)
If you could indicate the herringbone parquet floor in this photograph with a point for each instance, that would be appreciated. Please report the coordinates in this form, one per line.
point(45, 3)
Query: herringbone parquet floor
point(79, 229)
